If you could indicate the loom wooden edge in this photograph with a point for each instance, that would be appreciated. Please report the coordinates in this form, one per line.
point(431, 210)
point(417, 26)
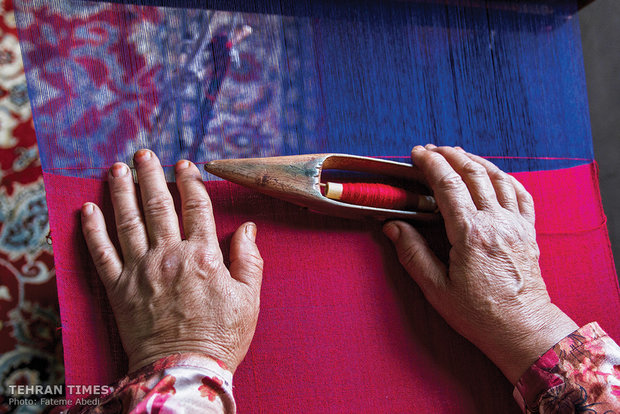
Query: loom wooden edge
point(296, 179)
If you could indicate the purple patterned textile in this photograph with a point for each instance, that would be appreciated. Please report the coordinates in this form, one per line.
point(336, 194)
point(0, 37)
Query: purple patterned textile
point(198, 84)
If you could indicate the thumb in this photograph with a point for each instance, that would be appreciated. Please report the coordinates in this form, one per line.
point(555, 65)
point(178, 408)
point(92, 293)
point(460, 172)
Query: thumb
point(246, 263)
point(416, 256)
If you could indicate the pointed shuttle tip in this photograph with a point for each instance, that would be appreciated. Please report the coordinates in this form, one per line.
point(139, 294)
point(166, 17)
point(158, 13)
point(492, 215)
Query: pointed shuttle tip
point(214, 166)
point(208, 166)
point(227, 169)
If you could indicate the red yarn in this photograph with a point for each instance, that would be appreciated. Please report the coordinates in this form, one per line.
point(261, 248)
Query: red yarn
point(378, 195)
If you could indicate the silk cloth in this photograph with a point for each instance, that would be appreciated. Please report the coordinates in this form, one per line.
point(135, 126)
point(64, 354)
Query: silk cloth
point(342, 327)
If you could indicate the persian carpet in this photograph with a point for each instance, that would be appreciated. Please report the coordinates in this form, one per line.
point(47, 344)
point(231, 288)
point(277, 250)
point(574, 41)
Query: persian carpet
point(30, 342)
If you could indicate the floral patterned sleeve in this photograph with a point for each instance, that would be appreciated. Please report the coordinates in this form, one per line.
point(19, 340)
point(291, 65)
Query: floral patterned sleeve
point(581, 373)
point(175, 384)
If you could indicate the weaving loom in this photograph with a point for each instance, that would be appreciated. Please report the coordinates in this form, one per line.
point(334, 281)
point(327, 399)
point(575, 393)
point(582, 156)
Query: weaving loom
point(501, 79)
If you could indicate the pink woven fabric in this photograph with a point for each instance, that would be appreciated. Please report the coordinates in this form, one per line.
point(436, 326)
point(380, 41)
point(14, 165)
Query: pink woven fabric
point(342, 327)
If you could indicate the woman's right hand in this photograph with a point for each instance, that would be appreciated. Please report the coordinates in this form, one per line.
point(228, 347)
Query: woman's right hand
point(492, 291)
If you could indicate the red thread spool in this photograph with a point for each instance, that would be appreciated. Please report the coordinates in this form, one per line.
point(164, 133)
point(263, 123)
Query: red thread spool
point(380, 196)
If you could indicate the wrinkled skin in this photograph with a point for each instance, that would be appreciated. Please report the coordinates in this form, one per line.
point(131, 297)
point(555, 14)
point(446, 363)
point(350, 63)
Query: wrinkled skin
point(169, 294)
point(492, 291)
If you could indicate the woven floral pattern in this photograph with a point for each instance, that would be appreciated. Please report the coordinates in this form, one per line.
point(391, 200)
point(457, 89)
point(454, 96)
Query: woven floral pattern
point(108, 79)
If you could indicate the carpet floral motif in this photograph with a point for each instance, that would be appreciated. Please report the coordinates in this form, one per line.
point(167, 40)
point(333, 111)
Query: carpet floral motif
point(30, 349)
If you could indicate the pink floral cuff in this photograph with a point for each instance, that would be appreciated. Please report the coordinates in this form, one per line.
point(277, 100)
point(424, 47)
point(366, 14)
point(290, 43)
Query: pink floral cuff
point(178, 383)
point(581, 373)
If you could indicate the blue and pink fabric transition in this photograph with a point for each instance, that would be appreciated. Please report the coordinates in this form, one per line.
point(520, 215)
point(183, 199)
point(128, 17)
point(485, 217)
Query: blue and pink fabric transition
point(342, 327)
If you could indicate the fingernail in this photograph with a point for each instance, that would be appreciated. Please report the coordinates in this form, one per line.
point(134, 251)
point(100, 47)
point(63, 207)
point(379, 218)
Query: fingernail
point(392, 231)
point(417, 148)
point(118, 170)
point(88, 209)
point(430, 146)
point(142, 155)
point(250, 231)
point(182, 165)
